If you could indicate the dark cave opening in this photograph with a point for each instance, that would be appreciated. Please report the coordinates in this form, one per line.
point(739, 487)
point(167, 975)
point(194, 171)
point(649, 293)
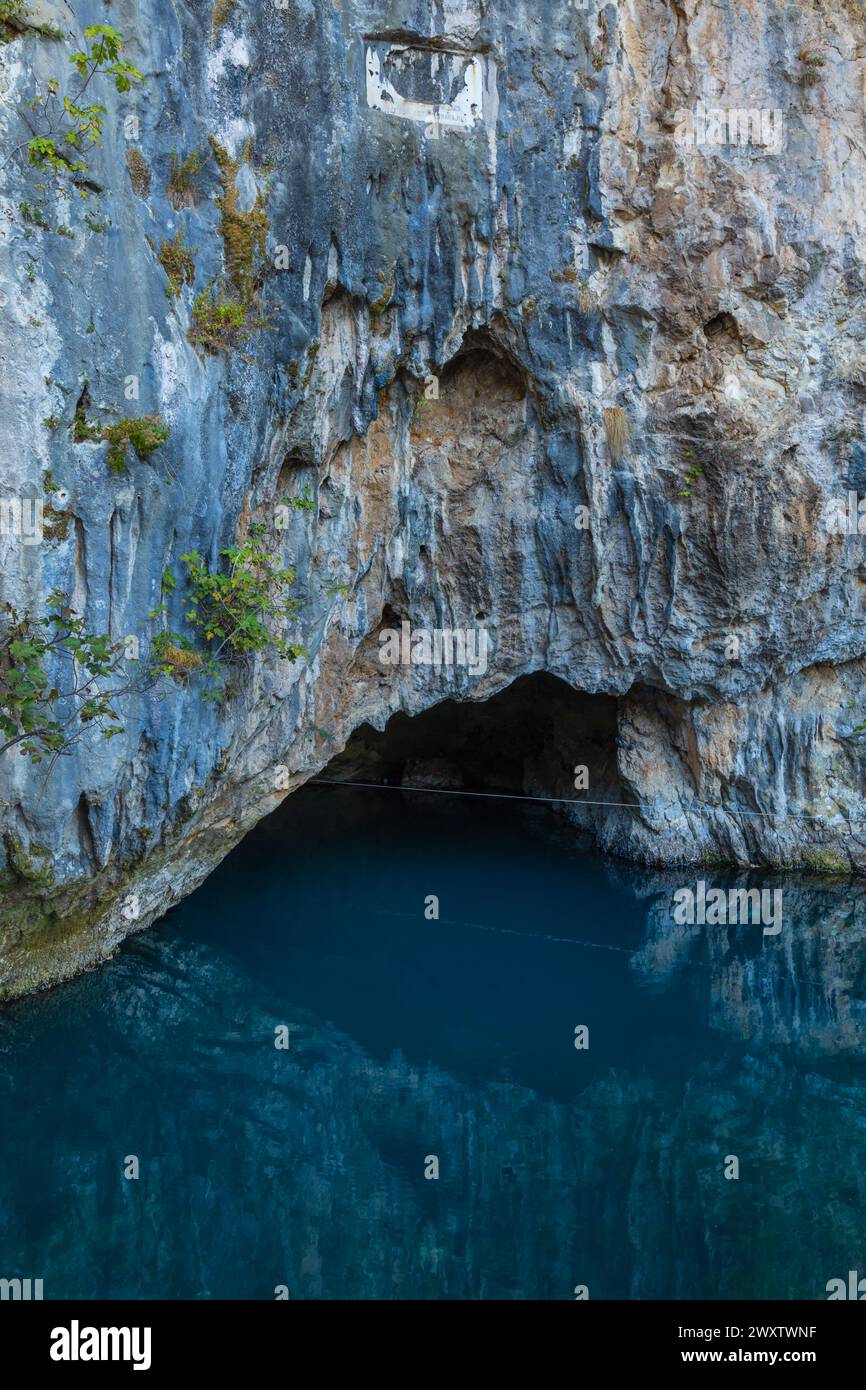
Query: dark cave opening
point(538, 737)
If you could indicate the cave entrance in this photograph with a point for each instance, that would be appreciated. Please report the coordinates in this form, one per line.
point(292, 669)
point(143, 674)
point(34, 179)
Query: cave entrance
point(529, 740)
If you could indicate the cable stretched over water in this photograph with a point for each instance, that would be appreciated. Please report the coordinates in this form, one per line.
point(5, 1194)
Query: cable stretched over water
point(500, 931)
point(558, 800)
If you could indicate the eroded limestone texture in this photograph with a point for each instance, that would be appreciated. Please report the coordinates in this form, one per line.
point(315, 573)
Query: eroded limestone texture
point(573, 274)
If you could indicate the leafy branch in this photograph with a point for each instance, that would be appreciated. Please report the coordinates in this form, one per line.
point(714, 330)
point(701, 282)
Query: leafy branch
point(36, 716)
point(62, 125)
point(234, 608)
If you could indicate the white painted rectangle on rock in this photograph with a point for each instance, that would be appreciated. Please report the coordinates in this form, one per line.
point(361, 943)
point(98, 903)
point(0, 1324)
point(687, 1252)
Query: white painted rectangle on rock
point(447, 69)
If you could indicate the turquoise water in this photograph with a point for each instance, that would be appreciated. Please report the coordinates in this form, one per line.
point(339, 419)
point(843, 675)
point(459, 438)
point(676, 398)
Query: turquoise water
point(412, 1039)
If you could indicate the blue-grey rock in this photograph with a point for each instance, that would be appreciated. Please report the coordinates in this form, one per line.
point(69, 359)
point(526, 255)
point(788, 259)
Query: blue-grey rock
point(499, 196)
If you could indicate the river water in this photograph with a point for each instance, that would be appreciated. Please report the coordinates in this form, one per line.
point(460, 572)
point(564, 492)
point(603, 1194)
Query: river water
point(420, 1045)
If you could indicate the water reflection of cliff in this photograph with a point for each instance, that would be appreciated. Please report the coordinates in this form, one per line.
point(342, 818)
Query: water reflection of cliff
point(805, 988)
point(306, 1167)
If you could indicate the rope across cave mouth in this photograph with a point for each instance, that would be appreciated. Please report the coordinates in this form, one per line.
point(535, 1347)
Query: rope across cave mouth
point(694, 807)
point(524, 743)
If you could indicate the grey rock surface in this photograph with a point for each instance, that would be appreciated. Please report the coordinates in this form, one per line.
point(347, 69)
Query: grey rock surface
point(651, 393)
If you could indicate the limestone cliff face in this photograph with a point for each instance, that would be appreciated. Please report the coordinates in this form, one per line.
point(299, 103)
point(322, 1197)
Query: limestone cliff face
point(627, 312)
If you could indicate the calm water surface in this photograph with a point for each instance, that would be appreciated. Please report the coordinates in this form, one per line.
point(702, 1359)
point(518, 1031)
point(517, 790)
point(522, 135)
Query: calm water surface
point(454, 1038)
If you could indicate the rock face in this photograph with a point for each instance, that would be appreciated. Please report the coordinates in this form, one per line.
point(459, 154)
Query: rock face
point(553, 349)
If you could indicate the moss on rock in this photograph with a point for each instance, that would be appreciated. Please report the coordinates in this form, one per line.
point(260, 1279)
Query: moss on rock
point(177, 261)
point(139, 172)
point(143, 433)
point(243, 233)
